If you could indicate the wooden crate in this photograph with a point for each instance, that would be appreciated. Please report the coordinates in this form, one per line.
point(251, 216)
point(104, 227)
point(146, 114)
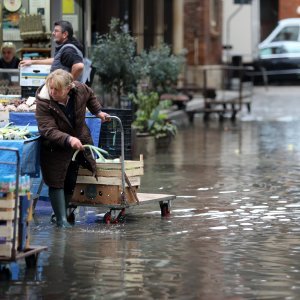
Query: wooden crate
point(7, 230)
point(7, 205)
point(101, 194)
point(132, 168)
point(107, 188)
point(134, 181)
point(6, 249)
point(7, 215)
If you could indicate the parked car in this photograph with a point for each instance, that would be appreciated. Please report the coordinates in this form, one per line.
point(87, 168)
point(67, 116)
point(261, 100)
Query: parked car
point(278, 61)
point(279, 54)
point(286, 30)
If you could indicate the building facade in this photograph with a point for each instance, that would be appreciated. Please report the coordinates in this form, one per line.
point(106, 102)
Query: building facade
point(191, 25)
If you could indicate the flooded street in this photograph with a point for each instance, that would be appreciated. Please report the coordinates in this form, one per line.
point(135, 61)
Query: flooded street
point(233, 233)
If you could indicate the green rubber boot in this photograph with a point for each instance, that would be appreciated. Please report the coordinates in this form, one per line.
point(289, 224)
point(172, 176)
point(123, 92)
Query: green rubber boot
point(57, 199)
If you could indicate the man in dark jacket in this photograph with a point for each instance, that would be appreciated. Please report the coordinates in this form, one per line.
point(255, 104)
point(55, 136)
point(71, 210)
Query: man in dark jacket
point(60, 113)
point(68, 53)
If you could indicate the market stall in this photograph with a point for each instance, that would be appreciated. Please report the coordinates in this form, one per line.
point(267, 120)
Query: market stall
point(25, 118)
point(16, 206)
point(30, 150)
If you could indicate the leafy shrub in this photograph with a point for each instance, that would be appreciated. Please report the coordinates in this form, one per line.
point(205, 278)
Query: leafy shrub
point(149, 118)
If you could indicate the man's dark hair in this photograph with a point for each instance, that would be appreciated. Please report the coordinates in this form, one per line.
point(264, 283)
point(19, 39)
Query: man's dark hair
point(66, 26)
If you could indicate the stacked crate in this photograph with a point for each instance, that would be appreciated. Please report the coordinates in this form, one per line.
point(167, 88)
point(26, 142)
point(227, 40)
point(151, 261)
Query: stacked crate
point(7, 215)
point(7, 224)
point(106, 189)
point(110, 136)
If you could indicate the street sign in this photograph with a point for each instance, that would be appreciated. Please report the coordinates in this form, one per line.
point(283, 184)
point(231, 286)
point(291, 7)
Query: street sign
point(242, 1)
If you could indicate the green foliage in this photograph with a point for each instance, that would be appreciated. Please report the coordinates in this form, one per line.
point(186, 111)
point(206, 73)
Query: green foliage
point(149, 118)
point(114, 58)
point(163, 68)
point(120, 69)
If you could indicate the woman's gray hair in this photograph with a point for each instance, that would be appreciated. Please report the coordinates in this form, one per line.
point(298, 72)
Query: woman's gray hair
point(60, 79)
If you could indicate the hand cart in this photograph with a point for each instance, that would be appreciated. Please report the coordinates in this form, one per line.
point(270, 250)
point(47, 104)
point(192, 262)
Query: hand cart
point(98, 192)
point(9, 214)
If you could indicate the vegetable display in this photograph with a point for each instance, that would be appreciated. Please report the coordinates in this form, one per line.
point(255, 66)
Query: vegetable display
point(11, 132)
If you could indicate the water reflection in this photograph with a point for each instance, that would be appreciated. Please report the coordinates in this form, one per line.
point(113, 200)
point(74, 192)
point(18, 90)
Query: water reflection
point(233, 233)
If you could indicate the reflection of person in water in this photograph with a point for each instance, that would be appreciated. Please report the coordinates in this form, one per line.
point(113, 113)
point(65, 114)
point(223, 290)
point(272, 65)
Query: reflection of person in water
point(8, 58)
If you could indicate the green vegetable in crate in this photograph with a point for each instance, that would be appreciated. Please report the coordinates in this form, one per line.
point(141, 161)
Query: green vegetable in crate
point(94, 150)
point(11, 132)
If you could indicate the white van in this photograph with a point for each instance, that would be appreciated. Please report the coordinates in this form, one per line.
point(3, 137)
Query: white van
point(279, 54)
point(286, 30)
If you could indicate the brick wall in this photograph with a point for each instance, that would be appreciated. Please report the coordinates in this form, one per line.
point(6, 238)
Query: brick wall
point(288, 9)
point(198, 33)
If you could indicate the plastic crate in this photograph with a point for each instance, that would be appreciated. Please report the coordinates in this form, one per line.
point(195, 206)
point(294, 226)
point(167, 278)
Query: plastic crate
point(110, 137)
point(28, 91)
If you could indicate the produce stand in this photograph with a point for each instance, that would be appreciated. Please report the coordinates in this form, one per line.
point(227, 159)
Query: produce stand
point(24, 118)
point(15, 214)
point(116, 187)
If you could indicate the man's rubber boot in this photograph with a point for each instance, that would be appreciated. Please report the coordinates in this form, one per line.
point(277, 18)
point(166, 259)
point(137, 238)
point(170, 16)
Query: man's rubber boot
point(57, 199)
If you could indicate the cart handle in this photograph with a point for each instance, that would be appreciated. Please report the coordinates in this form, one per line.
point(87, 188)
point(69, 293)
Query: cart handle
point(122, 158)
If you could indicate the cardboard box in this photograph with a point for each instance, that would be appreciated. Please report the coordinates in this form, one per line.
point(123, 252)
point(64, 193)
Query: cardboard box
point(34, 75)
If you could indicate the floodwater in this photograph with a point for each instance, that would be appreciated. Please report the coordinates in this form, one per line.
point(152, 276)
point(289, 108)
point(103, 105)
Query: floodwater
point(233, 233)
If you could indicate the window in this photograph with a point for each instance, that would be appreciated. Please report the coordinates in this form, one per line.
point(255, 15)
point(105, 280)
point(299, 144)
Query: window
point(290, 33)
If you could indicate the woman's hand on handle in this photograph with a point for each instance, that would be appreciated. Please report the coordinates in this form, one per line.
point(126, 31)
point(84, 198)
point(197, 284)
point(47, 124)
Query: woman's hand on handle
point(103, 116)
point(75, 143)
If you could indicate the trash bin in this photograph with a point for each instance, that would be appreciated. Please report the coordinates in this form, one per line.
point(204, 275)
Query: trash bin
point(236, 61)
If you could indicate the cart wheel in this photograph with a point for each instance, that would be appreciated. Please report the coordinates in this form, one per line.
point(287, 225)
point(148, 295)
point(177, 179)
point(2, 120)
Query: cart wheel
point(107, 218)
point(121, 217)
point(31, 260)
point(165, 209)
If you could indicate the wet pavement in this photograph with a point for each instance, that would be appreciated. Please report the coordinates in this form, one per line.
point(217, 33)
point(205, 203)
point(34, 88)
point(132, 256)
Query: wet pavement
point(234, 230)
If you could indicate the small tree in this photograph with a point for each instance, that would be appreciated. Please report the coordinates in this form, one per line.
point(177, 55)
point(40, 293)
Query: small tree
point(114, 58)
point(163, 68)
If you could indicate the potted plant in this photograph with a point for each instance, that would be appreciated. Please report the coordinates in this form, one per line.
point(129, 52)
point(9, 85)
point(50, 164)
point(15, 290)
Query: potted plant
point(151, 123)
